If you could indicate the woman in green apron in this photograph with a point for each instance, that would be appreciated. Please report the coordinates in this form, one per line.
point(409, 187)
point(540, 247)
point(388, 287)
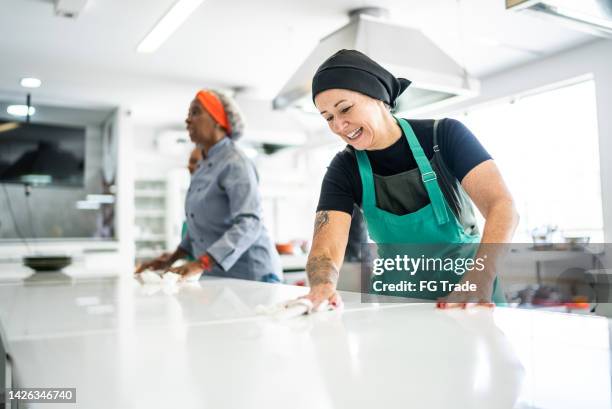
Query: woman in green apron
point(415, 182)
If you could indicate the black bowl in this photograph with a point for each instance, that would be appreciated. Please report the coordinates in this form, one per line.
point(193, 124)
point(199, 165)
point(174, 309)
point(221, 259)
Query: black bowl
point(47, 263)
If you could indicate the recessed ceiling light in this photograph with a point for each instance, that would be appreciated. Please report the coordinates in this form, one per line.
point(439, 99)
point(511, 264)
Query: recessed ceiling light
point(167, 25)
point(30, 82)
point(20, 110)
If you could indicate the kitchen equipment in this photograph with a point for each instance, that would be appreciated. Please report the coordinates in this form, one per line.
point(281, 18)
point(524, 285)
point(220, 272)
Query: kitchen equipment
point(543, 237)
point(47, 263)
point(576, 242)
point(437, 78)
point(284, 248)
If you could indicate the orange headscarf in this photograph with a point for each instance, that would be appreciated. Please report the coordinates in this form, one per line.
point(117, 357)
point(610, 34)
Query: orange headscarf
point(214, 107)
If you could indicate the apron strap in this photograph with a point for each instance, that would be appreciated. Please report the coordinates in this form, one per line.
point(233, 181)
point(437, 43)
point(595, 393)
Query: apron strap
point(368, 199)
point(428, 175)
point(436, 148)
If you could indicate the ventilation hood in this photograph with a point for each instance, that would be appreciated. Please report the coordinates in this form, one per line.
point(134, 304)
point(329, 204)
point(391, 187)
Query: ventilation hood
point(591, 16)
point(437, 79)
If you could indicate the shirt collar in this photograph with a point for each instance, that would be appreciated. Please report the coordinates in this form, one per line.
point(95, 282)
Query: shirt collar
point(219, 147)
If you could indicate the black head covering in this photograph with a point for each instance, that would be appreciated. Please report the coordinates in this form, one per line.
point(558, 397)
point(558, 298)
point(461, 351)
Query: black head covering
point(355, 71)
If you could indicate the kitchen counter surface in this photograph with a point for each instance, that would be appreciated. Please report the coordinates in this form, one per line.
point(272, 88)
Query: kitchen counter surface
point(123, 345)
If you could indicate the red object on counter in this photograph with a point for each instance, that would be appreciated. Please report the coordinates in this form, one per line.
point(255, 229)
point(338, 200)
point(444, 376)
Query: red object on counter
point(578, 305)
point(284, 248)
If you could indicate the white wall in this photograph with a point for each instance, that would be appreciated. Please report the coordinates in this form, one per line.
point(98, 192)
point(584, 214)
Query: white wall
point(595, 59)
point(150, 162)
point(124, 209)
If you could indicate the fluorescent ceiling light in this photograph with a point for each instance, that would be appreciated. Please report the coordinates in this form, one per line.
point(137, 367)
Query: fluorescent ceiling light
point(20, 110)
point(167, 25)
point(30, 82)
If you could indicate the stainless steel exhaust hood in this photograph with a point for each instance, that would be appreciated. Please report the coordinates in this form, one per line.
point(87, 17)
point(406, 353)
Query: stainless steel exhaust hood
point(591, 16)
point(436, 78)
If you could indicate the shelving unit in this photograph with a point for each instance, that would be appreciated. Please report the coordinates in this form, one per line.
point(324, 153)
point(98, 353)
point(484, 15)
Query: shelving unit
point(150, 217)
point(148, 193)
point(151, 213)
point(159, 212)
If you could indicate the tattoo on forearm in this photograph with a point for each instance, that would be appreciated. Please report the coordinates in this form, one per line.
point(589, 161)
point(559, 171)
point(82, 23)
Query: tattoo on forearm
point(321, 270)
point(321, 220)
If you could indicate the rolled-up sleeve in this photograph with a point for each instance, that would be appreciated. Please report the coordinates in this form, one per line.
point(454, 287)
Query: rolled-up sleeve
point(239, 181)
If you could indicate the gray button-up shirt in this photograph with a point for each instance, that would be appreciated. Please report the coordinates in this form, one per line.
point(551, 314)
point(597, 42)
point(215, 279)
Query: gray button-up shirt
point(224, 216)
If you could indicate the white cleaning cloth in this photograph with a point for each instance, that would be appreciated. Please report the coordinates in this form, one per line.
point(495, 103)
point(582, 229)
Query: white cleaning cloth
point(170, 278)
point(192, 279)
point(149, 277)
point(290, 309)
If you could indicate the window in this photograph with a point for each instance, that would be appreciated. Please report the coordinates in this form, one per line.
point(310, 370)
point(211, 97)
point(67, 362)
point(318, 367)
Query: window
point(546, 146)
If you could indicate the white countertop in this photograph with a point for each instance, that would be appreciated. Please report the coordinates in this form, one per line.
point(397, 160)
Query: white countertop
point(123, 346)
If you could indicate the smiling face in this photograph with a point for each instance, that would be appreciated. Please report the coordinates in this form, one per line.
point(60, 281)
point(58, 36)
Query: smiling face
point(200, 125)
point(357, 118)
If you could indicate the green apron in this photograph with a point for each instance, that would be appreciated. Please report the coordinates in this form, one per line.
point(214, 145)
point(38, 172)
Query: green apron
point(434, 226)
point(183, 234)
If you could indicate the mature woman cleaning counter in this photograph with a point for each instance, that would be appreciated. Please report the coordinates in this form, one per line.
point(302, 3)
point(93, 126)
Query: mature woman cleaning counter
point(225, 232)
point(410, 177)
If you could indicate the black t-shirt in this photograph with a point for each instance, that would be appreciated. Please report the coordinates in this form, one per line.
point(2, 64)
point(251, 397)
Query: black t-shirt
point(460, 150)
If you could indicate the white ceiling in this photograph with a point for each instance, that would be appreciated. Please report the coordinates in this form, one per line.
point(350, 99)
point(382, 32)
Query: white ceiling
point(256, 45)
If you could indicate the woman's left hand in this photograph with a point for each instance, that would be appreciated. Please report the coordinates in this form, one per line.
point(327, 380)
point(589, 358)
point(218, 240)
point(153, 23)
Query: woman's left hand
point(192, 270)
point(463, 299)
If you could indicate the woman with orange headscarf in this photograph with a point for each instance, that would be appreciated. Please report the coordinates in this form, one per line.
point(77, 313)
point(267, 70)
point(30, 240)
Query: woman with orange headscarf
point(225, 232)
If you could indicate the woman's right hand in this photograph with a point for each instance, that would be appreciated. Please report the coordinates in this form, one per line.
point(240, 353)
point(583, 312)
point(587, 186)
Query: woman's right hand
point(325, 259)
point(324, 292)
point(162, 262)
